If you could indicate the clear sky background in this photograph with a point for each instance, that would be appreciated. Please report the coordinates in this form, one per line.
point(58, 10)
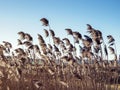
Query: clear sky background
point(24, 15)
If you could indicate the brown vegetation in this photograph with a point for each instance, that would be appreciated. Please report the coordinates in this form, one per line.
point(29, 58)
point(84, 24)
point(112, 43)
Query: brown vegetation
point(56, 65)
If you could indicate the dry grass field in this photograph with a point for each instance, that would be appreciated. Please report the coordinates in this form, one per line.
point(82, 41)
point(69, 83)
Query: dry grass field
point(47, 78)
point(56, 65)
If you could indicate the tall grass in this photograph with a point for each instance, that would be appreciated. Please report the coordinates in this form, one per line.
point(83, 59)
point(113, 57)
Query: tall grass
point(56, 66)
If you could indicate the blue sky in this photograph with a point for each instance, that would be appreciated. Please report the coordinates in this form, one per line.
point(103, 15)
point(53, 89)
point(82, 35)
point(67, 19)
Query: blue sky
point(24, 15)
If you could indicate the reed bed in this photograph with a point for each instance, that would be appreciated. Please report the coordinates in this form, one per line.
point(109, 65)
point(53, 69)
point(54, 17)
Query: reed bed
point(57, 65)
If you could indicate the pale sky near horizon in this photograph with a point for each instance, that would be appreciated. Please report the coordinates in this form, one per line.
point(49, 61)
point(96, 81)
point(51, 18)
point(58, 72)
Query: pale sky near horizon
point(24, 15)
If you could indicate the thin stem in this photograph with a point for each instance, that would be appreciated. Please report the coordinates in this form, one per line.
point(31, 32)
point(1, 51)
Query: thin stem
point(115, 49)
